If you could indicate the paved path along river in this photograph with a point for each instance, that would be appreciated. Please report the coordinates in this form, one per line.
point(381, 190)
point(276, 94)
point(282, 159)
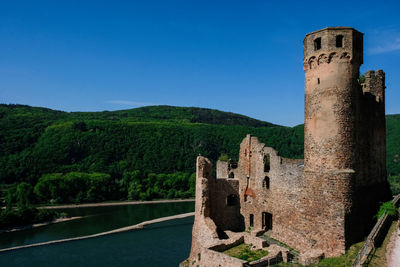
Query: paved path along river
point(394, 258)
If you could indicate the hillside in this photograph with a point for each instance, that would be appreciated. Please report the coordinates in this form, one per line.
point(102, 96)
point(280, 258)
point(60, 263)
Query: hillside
point(173, 114)
point(35, 141)
point(393, 144)
point(156, 139)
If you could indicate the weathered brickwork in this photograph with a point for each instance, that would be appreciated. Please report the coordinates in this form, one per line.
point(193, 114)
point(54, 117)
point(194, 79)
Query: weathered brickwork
point(344, 142)
point(319, 205)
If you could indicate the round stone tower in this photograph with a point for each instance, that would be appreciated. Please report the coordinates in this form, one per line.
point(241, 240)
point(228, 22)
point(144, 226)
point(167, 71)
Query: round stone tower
point(332, 58)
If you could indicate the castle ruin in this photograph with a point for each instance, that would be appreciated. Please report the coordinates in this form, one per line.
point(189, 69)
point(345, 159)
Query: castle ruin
point(318, 206)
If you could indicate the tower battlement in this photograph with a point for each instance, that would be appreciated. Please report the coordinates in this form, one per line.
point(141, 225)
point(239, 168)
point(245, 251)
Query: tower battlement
point(375, 84)
point(331, 43)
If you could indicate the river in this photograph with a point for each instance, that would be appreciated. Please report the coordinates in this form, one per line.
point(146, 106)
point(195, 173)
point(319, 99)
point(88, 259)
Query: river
point(161, 244)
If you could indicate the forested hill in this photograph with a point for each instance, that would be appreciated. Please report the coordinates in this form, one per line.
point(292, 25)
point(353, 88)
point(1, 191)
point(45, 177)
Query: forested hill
point(173, 114)
point(156, 139)
point(162, 139)
point(393, 145)
point(142, 114)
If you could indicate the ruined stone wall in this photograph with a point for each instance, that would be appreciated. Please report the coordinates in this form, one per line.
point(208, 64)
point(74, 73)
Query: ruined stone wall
point(226, 215)
point(213, 215)
point(204, 230)
point(280, 197)
point(319, 206)
point(222, 169)
point(371, 135)
point(217, 259)
point(371, 186)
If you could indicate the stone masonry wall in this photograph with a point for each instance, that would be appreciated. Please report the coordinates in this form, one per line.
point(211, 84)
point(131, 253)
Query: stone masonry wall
point(371, 186)
point(280, 197)
point(319, 206)
point(344, 140)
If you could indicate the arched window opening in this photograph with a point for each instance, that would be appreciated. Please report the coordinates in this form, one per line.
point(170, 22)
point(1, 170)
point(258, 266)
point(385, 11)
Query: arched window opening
point(251, 220)
point(266, 163)
point(266, 182)
point(232, 200)
point(339, 41)
point(231, 175)
point(317, 44)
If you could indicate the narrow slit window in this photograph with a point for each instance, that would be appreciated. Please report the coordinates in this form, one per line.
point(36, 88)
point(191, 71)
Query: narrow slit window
point(266, 163)
point(317, 44)
point(266, 182)
point(319, 81)
point(339, 41)
point(251, 220)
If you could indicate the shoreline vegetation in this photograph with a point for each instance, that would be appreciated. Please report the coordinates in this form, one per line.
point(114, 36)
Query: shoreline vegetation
point(23, 201)
point(85, 205)
point(119, 230)
point(118, 203)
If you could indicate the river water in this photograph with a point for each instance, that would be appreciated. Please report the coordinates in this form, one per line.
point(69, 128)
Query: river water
point(161, 244)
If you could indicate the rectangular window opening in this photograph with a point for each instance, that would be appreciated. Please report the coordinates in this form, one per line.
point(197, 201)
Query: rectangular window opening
point(317, 44)
point(339, 41)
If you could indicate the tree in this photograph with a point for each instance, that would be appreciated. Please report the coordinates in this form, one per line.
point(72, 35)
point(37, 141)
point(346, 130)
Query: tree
point(24, 196)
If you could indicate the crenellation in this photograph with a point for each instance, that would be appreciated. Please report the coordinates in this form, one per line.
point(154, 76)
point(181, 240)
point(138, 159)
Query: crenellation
point(320, 205)
point(375, 84)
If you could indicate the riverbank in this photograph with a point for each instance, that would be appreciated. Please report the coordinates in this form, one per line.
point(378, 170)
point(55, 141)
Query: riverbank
point(25, 227)
point(119, 230)
point(120, 203)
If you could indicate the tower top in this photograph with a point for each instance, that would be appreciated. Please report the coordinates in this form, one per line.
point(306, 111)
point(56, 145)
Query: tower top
point(338, 40)
point(338, 28)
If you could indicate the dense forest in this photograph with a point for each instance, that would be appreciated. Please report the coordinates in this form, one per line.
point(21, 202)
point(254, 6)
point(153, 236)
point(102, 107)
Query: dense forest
point(141, 153)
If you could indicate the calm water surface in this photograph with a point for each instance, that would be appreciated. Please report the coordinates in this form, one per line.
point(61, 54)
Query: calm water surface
point(161, 244)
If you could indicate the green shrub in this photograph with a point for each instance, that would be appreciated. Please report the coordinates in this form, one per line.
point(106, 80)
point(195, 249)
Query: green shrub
point(223, 157)
point(394, 182)
point(389, 208)
point(44, 215)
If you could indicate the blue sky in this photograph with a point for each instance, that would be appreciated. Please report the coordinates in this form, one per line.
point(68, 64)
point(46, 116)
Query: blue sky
point(238, 56)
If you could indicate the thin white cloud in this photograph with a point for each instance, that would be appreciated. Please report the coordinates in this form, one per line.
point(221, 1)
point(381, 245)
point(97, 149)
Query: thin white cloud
point(389, 47)
point(130, 103)
point(385, 41)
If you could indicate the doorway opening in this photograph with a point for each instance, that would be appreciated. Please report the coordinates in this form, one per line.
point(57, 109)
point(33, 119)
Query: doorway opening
point(266, 221)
